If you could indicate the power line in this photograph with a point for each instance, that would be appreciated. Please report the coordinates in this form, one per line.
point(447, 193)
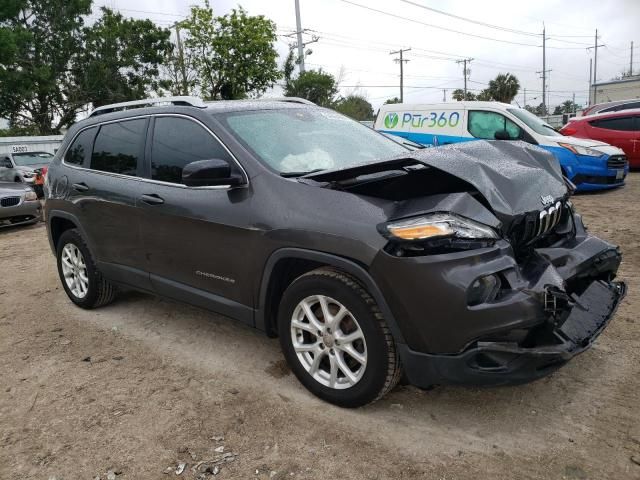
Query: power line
point(489, 25)
point(413, 20)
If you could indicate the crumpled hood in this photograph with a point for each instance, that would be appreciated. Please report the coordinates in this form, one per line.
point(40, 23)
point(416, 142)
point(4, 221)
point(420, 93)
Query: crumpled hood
point(512, 176)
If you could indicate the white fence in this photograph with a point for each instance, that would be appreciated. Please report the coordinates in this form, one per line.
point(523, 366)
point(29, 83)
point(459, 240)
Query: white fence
point(49, 144)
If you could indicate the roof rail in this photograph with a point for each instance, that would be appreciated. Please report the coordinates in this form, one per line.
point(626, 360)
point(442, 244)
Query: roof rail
point(147, 102)
point(286, 99)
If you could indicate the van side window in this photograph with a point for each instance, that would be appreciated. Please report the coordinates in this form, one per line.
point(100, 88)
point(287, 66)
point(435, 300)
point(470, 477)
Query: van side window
point(484, 125)
point(177, 142)
point(619, 123)
point(118, 147)
point(80, 150)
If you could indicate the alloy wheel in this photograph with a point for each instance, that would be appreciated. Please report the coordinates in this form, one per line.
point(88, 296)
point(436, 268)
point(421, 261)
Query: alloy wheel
point(74, 270)
point(328, 342)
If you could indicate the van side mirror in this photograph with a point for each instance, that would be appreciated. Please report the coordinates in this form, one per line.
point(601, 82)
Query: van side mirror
point(210, 173)
point(502, 135)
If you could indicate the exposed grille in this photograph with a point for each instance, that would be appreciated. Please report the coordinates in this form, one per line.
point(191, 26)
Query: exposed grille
point(536, 224)
point(617, 161)
point(9, 201)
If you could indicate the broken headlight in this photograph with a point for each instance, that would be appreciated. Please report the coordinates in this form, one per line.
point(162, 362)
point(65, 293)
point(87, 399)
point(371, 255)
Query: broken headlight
point(439, 225)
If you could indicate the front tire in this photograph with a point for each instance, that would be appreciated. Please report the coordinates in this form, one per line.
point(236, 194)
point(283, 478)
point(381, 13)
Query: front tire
point(81, 279)
point(335, 339)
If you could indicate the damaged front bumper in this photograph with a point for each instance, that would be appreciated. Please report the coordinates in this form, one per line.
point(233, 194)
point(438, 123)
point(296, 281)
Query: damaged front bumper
point(549, 347)
point(552, 306)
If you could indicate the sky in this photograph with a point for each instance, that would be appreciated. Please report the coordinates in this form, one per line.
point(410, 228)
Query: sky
point(357, 36)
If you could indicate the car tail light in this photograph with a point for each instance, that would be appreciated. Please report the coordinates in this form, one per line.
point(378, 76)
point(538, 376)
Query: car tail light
point(568, 131)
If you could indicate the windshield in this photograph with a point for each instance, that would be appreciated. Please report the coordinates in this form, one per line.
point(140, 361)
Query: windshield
point(304, 140)
point(534, 123)
point(32, 158)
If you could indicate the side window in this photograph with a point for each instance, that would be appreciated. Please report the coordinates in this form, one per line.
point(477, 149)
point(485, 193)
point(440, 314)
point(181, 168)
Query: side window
point(485, 125)
point(118, 147)
point(177, 142)
point(80, 150)
point(620, 123)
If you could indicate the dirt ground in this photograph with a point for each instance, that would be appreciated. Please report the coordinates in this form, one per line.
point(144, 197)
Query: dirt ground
point(137, 387)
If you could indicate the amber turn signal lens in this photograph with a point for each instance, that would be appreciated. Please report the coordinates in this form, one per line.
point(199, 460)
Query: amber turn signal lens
point(420, 231)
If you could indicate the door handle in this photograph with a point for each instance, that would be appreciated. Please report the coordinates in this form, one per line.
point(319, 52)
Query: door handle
point(152, 199)
point(80, 187)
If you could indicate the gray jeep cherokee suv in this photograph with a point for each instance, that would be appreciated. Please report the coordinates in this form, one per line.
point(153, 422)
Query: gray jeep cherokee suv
point(464, 264)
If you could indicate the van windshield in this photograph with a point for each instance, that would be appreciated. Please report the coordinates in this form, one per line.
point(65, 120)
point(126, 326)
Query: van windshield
point(32, 158)
point(533, 122)
point(296, 141)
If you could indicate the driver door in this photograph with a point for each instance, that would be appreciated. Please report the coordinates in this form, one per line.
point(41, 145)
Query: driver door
point(196, 245)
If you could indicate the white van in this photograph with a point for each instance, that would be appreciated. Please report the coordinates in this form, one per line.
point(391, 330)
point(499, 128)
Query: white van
point(590, 164)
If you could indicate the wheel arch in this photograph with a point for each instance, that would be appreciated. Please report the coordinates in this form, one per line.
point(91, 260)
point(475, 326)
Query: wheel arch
point(58, 222)
point(287, 264)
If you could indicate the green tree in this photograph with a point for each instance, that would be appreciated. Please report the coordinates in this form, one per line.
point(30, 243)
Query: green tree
point(121, 57)
point(39, 41)
point(458, 95)
point(392, 101)
point(356, 107)
point(52, 66)
point(485, 95)
point(314, 85)
point(233, 55)
point(566, 107)
point(504, 88)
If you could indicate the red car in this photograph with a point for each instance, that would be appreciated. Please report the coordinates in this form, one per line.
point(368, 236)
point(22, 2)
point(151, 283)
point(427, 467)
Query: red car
point(621, 129)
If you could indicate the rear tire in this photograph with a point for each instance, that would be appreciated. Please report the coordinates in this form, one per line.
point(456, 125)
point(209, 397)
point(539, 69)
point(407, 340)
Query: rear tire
point(335, 339)
point(81, 279)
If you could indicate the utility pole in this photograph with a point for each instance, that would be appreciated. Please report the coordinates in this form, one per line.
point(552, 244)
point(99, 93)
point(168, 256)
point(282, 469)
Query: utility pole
point(590, 75)
point(401, 61)
point(444, 95)
point(525, 98)
point(544, 70)
point(573, 101)
point(183, 71)
point(299, 35)
point(631, 61)
point(595, 66)
point(465, 72)
point(544, 74)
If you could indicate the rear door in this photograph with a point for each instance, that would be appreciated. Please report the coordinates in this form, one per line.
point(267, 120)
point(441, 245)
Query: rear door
point(620, 131)
point(103, 187)
point(196, 248)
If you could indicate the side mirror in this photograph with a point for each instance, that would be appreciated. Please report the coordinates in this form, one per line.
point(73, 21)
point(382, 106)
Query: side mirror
point(209, 173)
point(502, 135)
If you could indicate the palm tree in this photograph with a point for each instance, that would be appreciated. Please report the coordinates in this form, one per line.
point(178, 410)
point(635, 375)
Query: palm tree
point(504, 88)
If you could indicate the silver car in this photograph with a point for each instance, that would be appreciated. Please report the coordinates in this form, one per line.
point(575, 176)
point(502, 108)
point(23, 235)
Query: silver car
point(18, 205)
point(21, 167)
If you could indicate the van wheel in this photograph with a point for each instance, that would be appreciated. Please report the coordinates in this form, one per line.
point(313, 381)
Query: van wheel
point(80, 277)
point(336, 340)
point(17, 180)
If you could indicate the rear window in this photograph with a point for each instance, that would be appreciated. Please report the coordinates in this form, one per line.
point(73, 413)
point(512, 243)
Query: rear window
point(80, 150)
point(119, 146)
point(626, 124)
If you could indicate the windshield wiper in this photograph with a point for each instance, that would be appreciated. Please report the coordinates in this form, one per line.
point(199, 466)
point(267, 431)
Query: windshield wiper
point(300, 174)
